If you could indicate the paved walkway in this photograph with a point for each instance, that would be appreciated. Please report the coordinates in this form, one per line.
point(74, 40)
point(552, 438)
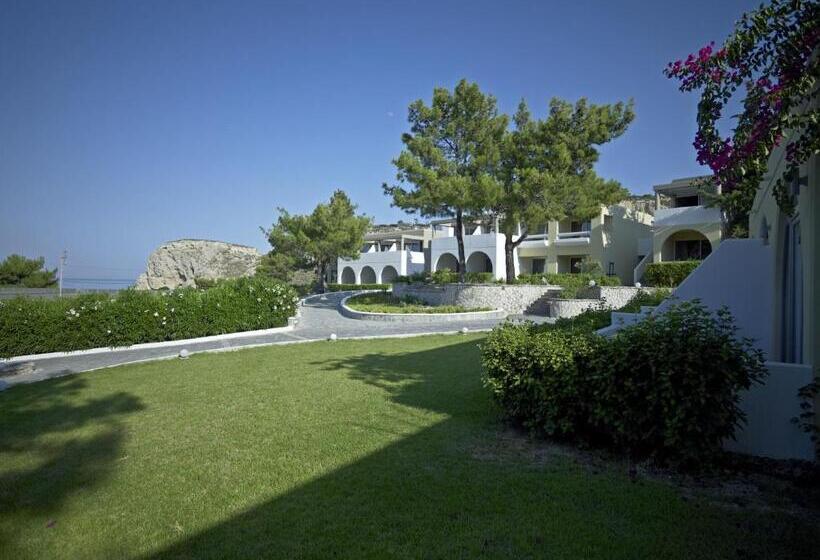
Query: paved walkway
point(319, 319)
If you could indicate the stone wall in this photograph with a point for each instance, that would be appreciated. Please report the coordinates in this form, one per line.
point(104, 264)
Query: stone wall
point(514, 299)
point(616, 297)
point(563, 308)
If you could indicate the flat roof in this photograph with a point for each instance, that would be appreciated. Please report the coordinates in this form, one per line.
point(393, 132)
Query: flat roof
point(684, 185)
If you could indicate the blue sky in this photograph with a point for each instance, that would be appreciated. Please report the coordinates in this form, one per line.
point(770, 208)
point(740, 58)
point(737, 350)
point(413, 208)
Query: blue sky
point(126, 124)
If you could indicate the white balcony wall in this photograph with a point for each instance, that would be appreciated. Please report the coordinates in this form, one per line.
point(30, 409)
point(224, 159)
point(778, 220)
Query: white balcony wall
point(384, 265)
point(687, 215)
point(491, 244)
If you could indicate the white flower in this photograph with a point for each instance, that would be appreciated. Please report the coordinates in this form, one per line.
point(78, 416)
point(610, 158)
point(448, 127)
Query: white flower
point(108, 331)
point(156, 314)
point(259, 300)
point(172, 310)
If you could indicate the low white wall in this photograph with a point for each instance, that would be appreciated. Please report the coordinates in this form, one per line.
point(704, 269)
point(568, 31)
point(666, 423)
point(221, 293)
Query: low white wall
point(514, 299)
point(739, 274)
point(769, 409)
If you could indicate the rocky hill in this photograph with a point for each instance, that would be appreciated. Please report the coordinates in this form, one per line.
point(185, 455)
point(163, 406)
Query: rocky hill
point(179, 263)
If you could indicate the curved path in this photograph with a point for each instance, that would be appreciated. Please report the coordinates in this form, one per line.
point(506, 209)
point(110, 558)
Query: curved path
point(319, 319)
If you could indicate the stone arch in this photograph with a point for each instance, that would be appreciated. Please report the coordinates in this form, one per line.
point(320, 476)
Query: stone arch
point(389, 274)
point(368, 275)
point(348, 276)
point(479, 261)
point(447, 261)
point(687, 244)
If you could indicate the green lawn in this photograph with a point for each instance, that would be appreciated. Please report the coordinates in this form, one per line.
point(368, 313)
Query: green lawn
point(386, 303)
point(354, 449)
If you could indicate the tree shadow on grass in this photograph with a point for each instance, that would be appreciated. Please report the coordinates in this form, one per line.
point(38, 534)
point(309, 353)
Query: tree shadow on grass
point(35, 421)
point(429, 495)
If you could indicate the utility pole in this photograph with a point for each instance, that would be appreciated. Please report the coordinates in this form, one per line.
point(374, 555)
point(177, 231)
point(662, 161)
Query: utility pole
point(63, 259)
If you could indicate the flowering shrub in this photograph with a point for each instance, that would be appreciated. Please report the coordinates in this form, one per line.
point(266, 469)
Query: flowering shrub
point(771, 53)
point(33, 325)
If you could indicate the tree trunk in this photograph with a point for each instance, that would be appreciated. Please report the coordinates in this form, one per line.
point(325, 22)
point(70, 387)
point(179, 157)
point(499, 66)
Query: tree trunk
point(462, 262)
point(509, 253)
point(322, 279)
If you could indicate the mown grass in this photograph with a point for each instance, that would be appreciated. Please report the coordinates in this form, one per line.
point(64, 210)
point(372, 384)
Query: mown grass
point(387, 303)
point(353, 449)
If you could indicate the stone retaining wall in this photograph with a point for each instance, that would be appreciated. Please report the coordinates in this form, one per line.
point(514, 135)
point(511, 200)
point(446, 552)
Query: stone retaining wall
point(514, 299)
point(616, 296)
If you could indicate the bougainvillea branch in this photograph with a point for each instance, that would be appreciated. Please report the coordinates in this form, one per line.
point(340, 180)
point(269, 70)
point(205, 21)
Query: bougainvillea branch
point(773, 54)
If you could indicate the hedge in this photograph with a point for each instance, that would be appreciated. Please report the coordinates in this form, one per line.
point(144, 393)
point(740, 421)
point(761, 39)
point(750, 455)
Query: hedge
point(667, 387)
point(668, 274)
point(36, 325)
point(354, 287)
point(574, 285)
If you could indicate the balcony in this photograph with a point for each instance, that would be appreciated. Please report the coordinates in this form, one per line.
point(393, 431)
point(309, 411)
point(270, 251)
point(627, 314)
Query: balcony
point(687, 216)
point(572, 238)
point(535, 240)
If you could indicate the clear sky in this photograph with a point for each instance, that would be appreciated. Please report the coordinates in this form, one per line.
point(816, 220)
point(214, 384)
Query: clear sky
point(127, 124)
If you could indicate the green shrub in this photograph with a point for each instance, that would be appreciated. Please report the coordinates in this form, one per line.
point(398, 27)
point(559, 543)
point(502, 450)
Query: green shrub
point(36, 325)
point(646, 298)
point(40, 279)
point(667, 387)
point(574, 285)
point(668, 274)
point(452, 277)
point(16, 270)
point(205, 283)
point(383, 302)
point(354, 287)
point(444, 277)
point(539, 377)
point(415, 277)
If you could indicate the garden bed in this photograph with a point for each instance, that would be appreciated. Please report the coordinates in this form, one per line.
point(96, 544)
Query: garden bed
point(380, 306)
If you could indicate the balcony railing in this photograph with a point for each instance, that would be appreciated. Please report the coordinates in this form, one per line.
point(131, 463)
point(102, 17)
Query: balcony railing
point(573, 238)
point(687, 215)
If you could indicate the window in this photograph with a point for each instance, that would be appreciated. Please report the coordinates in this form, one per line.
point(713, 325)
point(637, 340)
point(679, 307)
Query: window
point(682, 201)
point(576, 226)
point(692, 250)
point(575, 264)
point(538, 266)
point(611, 269)
point(608, 220)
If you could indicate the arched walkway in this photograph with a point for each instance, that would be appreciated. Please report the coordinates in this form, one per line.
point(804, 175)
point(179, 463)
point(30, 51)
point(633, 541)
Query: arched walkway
point(479, 262)
point(389, 274)
point(686, 245)
point(447, 261)
point(368, 275)
point(348, 276)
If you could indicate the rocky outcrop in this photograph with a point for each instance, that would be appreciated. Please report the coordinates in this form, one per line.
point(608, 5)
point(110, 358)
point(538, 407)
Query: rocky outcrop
point(179, 263)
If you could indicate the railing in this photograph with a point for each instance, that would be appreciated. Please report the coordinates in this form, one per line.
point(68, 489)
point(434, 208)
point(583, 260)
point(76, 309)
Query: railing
point(687, 215)
point(639, 270)
point(573, 238)
point(573, 234)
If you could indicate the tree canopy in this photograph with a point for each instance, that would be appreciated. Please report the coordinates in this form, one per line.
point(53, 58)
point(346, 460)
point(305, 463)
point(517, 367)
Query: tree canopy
point(317, 239)
point(446, 167)
point(17, 270)
point(546, 167)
